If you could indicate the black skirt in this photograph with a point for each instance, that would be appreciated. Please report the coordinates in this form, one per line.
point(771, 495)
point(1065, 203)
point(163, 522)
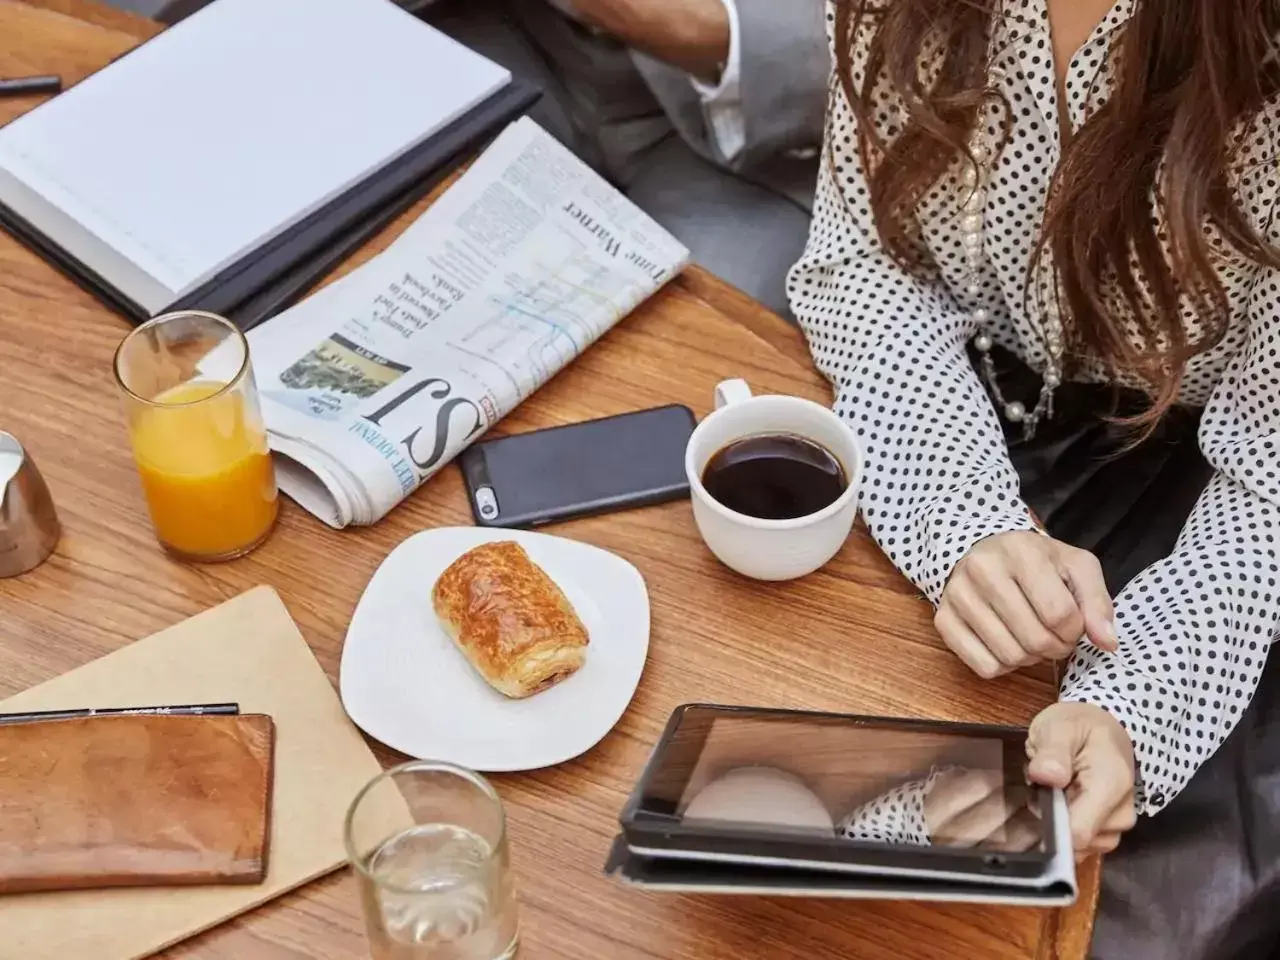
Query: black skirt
point(1087, 482)
point(1200, 880)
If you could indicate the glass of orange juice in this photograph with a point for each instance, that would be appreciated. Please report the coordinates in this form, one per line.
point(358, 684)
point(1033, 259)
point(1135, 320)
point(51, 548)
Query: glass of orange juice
point(198, 437)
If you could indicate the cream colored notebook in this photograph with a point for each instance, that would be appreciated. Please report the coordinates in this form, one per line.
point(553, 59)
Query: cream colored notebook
point(249, 651)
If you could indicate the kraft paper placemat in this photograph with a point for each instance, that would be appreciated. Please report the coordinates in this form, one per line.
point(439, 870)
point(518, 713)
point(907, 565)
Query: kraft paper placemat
point(249, 651)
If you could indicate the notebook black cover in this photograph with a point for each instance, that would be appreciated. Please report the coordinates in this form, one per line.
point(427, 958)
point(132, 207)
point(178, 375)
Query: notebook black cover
point(280, 272)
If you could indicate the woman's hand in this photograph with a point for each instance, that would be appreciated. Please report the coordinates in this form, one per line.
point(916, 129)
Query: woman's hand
point(1083, 750)
point(1021, 598)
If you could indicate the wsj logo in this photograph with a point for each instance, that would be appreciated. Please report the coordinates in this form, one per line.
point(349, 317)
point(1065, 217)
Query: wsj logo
point(454, 414)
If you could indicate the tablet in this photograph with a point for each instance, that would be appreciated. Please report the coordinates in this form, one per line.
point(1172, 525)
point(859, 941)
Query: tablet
point(831, 793)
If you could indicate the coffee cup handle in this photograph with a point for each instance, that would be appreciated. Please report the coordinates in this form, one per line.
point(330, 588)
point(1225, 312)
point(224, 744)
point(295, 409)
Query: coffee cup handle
point(732, 391)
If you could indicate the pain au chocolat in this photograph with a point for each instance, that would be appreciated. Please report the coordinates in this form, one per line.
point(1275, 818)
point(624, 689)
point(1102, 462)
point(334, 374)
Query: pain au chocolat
point(510, 620)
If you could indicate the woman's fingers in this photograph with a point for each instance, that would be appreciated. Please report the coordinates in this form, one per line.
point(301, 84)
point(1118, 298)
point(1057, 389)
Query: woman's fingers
point(1123, 819)
point(1059, 619)
point(1025, 598)
point(985, 820)
point(1093, 805)
point(1101, 845)
point(1083, 574)
point(1083, 749)
point(967, 808)
point(1035, 640)
point(1022, 834)
point(1100, 798)
point(955, 792)
point(1105, 842)
point(978, 612)
point(966, 645)
point(992, 596)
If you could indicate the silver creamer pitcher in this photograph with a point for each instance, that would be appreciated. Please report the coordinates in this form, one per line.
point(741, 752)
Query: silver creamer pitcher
point(29, 528)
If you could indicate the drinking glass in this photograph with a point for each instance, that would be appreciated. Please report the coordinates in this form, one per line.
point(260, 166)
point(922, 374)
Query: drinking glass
point(428, 843)
point(198, 438)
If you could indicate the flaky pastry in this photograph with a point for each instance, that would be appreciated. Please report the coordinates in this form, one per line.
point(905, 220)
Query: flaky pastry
point(510, 620)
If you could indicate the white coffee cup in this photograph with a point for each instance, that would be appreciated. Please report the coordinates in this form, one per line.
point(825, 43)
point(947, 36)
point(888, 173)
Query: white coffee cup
point(771, 549)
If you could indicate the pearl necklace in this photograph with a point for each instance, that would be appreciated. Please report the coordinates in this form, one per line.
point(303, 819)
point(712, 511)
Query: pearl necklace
point(976, 177)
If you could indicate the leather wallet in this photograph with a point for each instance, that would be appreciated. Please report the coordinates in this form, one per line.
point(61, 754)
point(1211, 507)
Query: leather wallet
point(135, 800)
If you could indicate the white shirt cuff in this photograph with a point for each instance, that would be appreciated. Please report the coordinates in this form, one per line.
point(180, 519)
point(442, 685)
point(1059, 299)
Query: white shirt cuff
point(722, 103)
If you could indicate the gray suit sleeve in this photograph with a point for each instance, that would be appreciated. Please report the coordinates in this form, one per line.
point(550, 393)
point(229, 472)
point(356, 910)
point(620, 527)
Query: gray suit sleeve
point(786, 71)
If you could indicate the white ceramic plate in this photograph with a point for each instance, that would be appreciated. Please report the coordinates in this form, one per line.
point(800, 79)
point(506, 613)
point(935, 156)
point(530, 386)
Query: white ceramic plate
point(405, 683)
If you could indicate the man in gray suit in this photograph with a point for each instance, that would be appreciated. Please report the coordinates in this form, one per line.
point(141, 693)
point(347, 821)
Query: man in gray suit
point(707, 113)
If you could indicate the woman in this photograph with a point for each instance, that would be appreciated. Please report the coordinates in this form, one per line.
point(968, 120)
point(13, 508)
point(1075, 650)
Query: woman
point(1045, 260)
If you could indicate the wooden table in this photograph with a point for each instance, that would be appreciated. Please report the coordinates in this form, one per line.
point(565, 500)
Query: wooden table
point(852, 637)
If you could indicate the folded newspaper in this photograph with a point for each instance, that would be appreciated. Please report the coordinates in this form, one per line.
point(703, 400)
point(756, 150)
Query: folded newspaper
point(374, 383)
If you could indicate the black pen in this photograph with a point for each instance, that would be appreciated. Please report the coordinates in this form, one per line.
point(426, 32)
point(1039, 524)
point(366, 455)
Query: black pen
point(188, 710)
point(30, 86)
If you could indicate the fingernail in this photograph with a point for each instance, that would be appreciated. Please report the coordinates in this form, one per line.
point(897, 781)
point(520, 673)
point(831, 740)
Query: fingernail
point(1109, 628)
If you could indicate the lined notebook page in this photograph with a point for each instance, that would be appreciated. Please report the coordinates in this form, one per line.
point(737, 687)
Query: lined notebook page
point(238, 122)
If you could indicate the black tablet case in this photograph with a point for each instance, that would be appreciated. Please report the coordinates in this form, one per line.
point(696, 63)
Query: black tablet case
point(279, 273)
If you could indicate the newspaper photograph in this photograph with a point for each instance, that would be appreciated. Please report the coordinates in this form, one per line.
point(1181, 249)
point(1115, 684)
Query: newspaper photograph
point(375, 382)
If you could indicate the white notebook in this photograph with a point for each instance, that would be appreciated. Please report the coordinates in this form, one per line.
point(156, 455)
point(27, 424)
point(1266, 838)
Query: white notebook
point(196, 148)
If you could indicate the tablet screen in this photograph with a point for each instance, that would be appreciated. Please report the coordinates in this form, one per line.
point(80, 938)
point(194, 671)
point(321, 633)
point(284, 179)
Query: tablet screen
point(818, 777)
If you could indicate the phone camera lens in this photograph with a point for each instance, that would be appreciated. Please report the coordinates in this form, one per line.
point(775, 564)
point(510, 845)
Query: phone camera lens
point(995, 862)
point(487, 503)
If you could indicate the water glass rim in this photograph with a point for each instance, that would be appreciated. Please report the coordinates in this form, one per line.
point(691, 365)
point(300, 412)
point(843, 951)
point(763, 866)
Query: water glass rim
point(158, 321)
point(418, 766)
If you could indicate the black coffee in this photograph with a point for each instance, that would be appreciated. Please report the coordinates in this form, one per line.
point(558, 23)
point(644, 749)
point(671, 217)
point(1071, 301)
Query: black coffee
point(776, 477)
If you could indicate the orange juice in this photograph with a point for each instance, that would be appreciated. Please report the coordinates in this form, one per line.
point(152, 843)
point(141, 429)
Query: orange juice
point(206, 470)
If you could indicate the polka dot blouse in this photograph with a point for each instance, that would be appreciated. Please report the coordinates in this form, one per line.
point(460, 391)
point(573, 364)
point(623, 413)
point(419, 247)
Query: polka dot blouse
point(897, 816)
point(1194, 627)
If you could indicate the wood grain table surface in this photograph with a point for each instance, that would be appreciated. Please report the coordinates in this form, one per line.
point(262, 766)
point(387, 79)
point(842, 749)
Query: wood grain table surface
point(853, 637)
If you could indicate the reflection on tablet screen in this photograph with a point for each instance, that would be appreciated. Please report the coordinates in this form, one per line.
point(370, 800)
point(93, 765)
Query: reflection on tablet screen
point(819, 778)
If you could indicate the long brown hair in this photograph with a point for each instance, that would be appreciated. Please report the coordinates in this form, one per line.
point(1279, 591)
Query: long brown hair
point(1187, 74)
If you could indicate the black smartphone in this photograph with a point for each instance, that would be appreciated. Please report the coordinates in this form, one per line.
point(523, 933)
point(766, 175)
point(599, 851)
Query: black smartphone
point(838, 764)
point(581, 469)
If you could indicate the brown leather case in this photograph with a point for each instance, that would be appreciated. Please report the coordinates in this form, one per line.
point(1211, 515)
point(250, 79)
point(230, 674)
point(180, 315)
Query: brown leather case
point(136, 800)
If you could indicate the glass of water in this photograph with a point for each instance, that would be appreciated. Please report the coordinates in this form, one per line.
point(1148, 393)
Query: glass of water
point(428, 843)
